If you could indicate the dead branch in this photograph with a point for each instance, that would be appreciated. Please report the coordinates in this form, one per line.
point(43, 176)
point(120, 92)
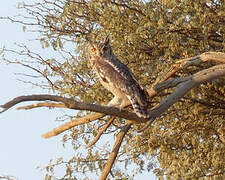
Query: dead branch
point(72, 104)
point(41, 97)
point(115, 151)
point(69, 125)
point(191, 81)
point(77, 122)
point(193, 61)
point(101, 132)
point(46, 104)
point(161, 82)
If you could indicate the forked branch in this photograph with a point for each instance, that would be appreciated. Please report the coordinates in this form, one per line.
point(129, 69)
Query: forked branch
point(162, 82)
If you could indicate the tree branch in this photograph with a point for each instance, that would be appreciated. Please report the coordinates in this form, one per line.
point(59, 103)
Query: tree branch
point(46, 104)
point(191, 81)
point(182, 64)
point(101, 132)
point(72, 104)
point(77, 121)
point(194, 61)
point(69, 125)
point(115, 151)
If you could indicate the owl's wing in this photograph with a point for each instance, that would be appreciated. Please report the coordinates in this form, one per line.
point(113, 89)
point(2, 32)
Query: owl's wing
point(119, 76)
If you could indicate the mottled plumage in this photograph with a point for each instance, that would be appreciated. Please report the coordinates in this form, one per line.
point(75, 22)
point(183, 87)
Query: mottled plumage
point(117, 78)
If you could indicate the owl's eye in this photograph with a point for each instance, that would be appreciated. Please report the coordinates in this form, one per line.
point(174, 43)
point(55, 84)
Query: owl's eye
point(93, 49)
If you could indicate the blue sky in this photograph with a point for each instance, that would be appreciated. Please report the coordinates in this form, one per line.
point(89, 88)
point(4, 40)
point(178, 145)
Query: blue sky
point(22, 148)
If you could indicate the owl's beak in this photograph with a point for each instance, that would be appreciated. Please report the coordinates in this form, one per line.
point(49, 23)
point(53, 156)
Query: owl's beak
point(91, 45)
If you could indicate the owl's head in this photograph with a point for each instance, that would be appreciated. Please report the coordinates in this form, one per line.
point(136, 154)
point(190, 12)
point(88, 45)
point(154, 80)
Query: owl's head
point(100, 49)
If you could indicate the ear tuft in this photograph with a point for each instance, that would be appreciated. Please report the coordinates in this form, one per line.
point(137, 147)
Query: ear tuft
point(106, 41)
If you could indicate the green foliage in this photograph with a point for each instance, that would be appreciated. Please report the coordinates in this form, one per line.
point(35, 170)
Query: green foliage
point(149, 36)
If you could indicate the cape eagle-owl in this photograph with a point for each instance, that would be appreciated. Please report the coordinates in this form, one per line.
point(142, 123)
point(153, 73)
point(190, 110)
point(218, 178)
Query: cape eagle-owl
point(117, 78)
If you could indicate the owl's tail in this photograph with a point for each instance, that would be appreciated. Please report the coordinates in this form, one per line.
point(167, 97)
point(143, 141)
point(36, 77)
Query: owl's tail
point(140, 110)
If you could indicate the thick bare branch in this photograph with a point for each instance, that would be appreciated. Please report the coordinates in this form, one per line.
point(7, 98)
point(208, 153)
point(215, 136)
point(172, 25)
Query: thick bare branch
point(115, 151)
point(46, 104)
point(182, 64)
point(160, 86)
point(69, 125)
point(191, 81)
point(76, 122)
point(41, 97)
point(72, 104)
point(194, 61)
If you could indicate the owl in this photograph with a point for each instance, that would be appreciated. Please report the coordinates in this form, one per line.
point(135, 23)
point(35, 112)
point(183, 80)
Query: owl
point(117, 78)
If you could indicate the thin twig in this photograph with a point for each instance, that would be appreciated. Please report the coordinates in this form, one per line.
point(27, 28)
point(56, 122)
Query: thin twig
point(101, 132)
point(146, 126)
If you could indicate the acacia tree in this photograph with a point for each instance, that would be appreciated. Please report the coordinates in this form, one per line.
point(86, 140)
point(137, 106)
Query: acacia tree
point(175, 49)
